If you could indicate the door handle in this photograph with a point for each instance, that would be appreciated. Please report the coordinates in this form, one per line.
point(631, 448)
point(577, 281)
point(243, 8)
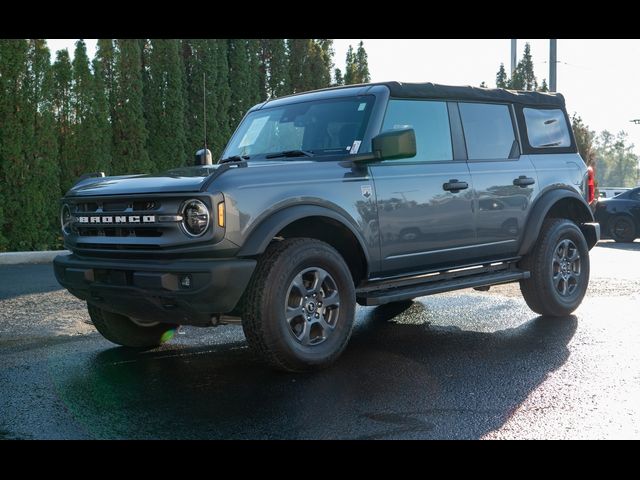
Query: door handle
point(454, 186)
point(523, 181)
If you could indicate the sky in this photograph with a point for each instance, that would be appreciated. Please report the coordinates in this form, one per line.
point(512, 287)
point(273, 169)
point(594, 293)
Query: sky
point(599, 79)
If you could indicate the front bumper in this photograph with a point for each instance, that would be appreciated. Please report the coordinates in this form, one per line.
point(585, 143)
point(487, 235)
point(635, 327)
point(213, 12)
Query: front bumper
point(151, 290)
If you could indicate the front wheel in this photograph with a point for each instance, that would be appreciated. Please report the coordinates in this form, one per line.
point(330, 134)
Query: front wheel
point(559, 266)
point(123, 331)
point(299, 307)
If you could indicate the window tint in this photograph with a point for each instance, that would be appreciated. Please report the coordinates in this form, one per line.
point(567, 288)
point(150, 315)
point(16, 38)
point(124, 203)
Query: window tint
point(430, 120)
point(546, 128)
point(322, 126)
point(488, 131)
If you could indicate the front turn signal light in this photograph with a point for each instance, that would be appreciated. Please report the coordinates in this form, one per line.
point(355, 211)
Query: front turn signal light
point(221, 214)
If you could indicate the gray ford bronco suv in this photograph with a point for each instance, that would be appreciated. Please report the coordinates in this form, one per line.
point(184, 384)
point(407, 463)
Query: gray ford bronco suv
point(365, 194)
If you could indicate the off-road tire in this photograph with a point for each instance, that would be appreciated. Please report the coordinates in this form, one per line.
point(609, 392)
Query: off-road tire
point(539, 291)
point(264, 306)
point(123, 331)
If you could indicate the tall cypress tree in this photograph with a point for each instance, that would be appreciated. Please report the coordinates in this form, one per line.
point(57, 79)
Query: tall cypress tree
point(101, 117)
point(129, 131)
point(80, 144)
point(165, 115)
point(299, 68)
point(239, 80)
point(205, 70)
point(63, 112)
point(43, 188)
point(106, 56)
point(257, 73)
point(14, 116)
point(350, 69)
point(221, 130)
point(320, 60)
point(501, 78)
point(362, 64)
point(277, 68)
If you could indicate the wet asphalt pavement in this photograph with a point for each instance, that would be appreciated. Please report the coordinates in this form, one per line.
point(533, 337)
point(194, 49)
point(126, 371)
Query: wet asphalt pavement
point(460, 365)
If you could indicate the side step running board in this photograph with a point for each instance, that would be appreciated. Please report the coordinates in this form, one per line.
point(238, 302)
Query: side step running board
point(394, 294)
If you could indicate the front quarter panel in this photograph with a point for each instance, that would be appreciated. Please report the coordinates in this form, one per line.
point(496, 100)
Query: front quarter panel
point(255, 194)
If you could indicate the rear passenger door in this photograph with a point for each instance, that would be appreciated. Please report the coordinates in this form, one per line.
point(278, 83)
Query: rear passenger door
point(504, 181)
point(424, 220)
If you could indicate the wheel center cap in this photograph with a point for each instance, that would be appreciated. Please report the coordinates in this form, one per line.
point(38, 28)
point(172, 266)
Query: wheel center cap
point(311, 307)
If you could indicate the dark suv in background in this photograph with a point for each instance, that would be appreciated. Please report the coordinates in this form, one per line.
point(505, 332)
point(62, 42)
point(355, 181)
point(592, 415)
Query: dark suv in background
point(364, 194)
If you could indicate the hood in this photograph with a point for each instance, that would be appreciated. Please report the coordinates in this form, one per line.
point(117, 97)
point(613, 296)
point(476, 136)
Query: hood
point(187, 179)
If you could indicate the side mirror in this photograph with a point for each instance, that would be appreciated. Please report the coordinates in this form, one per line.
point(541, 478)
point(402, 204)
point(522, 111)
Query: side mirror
point(394, 144)
point(203, 157)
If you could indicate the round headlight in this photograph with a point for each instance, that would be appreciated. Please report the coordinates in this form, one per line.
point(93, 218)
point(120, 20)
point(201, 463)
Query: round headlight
point(65, 219)
point(195, 217)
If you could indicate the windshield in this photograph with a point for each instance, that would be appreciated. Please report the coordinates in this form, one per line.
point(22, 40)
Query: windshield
point(318, 127)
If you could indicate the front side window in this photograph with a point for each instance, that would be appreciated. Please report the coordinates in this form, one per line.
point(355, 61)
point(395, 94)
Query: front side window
point(546, 128)
point(488, 131)
point(429, 119)
point(319, 127)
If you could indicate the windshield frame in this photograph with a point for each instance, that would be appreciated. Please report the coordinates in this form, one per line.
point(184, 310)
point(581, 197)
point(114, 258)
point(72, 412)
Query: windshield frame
point(378, 105)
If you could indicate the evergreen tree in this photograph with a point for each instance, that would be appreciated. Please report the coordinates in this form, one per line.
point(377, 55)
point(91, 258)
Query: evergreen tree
point(206, 59)
point(362, 64)
point(544, 87)
point(239, 80)
point(277, 70)
point(339, 80)
point(299, 65)
point(130, 134)
point(16, 232)
point(106, 56)
point(256, 88)
point(101, 117)
point(350, 69)
point(219, 124)
point(81, 141)
point(501, 78)
point(63, 113)
point(43, 188)
point(165, 114)
point(584, 140)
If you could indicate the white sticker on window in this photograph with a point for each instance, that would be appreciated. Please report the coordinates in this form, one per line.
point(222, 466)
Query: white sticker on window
point(401, 127)
point(253, 131)
point(355, 147)
point(362, 106)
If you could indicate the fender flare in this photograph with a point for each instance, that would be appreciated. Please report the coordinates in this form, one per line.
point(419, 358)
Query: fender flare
point(261, 235)
point(540, 210)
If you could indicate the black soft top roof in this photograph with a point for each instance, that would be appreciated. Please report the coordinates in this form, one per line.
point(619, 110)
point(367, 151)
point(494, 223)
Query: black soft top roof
point(450, 92)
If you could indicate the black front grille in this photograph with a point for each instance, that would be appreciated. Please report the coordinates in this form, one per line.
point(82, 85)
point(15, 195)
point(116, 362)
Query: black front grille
point(85, 231)
point(119, 232)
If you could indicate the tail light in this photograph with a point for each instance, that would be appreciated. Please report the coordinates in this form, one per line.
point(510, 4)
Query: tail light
point(591, 185)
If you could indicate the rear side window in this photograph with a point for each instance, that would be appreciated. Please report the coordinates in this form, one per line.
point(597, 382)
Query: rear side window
point(488, 131)
point(546, 128)
point(430, 120)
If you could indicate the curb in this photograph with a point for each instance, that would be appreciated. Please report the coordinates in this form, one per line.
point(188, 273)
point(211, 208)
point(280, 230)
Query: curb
point(17, 258)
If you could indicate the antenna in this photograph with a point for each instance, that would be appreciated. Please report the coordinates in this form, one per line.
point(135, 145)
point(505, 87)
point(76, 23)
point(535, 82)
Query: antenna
point(204, 103)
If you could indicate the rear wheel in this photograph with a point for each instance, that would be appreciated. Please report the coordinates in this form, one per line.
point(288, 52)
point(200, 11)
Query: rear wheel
point(622, 229)
point(559, 266)
point(299, 306)
point(123, 331)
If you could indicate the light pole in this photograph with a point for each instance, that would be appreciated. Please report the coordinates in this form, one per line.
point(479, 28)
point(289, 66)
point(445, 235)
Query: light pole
point(553, 64)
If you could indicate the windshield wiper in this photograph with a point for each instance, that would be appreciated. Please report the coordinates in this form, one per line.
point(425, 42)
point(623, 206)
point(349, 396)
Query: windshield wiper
point(234, 158)
point(290, 153)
